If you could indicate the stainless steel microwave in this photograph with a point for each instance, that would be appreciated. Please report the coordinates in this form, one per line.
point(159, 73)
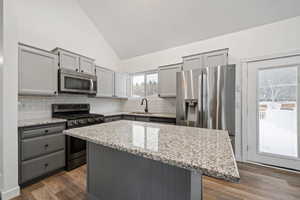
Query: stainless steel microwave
point(75, 82)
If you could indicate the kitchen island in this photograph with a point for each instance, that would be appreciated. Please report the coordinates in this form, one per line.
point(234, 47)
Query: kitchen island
point(132, 160)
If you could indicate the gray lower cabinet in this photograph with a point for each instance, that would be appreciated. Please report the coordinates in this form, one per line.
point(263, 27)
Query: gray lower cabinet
point(141, 118)
point(112, 118)
point(129, 117)
point(41, 151)
point(42, 165)
point(37, 71)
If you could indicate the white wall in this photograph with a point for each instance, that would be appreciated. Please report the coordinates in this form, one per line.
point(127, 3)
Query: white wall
point(273, 38)
point(8, 108)
point(55, 23)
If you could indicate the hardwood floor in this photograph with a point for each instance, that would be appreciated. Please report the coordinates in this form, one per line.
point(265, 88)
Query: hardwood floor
point(256, 183)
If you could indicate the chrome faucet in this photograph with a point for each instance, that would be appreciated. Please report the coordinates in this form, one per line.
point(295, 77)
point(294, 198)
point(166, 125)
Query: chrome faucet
point(142, 103)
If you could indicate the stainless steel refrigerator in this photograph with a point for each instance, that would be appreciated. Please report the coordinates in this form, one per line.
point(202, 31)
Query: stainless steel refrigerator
point(206, 98)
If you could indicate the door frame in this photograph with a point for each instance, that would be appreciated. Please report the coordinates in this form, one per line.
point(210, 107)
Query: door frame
point(242, 139)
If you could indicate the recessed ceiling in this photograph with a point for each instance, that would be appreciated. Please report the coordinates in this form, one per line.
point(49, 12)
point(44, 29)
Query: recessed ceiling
point(138, 27)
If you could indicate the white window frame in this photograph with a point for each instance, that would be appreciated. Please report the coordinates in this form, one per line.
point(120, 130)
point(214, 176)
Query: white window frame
point(144, 73)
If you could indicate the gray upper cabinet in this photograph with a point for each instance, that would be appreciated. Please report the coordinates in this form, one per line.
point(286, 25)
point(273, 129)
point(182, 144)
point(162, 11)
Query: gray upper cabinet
point(87, 65)
point(67, 60)
point(121, 84)
point(37, 71)
point(105, 82)
point(76, 62)
point(212, 58)
point(192, 62)
point(167, 80)
point(215, 58)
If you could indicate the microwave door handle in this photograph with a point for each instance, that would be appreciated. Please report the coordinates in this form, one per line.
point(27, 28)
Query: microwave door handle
point(92, 85)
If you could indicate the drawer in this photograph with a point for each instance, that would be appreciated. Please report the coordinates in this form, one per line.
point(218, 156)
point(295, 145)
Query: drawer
point(163, 120)
point(128, 117)
point(38, 146)
point(114, 118)
point(40, 166)
point(142, 119)
point(42, 130)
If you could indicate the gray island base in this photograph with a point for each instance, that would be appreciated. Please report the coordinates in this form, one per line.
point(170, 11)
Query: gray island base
point(129, 160)
point(118, 175)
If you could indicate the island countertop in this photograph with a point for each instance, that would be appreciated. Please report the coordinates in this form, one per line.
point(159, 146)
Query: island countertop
point(202, 150)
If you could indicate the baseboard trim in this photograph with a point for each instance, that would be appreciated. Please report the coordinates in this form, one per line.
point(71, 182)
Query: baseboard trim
point(273, 167)
point(11, 193)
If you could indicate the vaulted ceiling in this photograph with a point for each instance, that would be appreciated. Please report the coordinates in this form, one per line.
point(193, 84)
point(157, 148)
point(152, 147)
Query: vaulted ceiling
point(137, 27)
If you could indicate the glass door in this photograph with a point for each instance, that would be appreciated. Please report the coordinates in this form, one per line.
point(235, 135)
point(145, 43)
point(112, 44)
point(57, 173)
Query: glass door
point(273, 112)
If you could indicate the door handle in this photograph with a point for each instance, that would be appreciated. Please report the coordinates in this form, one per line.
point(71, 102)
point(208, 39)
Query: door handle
point(92, 85)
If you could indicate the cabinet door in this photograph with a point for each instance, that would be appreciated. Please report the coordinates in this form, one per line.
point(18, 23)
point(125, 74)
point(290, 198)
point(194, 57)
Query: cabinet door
point(121, 84)
point(193, 62)
point(37, 72)
point(216, 58)
point(167, 80)
point(87, 65)
point(105, 82)
point(68, 60)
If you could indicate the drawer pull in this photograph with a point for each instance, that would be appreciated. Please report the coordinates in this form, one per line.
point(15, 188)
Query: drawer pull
point(46, 165)
point(46, 131)
point(46, 146)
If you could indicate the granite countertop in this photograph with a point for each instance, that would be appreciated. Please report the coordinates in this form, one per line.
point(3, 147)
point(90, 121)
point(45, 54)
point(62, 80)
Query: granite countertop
point(42, 121)
point(162, 115)
point(201, 150)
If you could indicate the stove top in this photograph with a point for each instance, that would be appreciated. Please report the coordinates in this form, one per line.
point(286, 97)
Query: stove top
point(77, 115)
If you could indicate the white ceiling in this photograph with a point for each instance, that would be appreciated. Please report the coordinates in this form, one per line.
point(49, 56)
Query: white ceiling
point(137, 27)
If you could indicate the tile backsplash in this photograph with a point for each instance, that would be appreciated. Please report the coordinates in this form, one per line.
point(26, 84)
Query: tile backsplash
point(34, 107)
point(155, 104)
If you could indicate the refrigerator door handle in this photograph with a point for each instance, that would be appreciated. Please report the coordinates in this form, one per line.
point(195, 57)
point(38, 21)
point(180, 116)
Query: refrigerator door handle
point(204, 100)
point(200, 101)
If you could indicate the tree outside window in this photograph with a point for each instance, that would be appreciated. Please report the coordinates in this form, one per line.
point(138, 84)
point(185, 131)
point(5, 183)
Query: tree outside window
point(144, 84)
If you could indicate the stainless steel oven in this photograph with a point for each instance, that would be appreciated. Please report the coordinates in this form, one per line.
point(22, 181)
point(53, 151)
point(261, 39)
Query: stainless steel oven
point(75, 82)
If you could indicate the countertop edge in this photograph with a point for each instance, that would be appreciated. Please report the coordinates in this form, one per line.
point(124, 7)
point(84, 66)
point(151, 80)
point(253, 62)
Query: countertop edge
point(39, 122)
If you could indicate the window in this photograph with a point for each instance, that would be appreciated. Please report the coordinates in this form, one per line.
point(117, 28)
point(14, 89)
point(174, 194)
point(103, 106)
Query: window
point(138, 85)
point(151, 86)
point(140, 89)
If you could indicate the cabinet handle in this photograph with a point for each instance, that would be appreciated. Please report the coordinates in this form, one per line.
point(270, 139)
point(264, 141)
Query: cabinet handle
point(55, 92)
point(46, 146)
point(46, 131)
point(76, 70)
point(81, 70)
point(46, 165)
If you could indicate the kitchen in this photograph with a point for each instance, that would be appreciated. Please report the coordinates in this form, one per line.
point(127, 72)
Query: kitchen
point(105, 88)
